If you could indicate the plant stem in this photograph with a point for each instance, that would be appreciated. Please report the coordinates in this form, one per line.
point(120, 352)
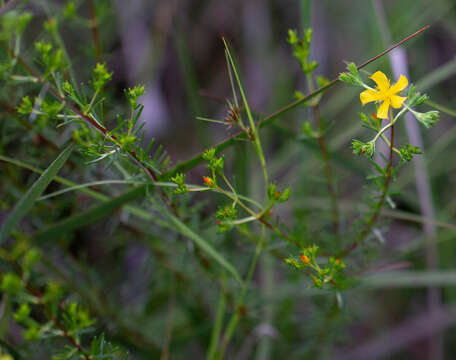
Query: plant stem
point(378, 208)
point(253, 126)
point(240, 302)
point(259, 217)
point(328, 169)
point(217, 325)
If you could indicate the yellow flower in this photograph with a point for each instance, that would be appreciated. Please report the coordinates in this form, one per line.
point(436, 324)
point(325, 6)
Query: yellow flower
point(386, 93)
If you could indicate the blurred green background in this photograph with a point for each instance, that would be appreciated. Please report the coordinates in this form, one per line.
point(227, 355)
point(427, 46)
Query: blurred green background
point(404, 306)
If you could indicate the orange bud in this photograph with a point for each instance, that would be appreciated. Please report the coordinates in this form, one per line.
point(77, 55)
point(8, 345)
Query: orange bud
point(338, 261)
point(305, 259)
point(208, 181)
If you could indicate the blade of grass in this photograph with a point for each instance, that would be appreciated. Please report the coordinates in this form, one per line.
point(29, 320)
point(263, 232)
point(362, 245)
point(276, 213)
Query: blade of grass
point(27, 201)
point(88, 217)
point(215, 337)
point(93, 183)
point(253, 126)
point(410, 279)
point(203, 244)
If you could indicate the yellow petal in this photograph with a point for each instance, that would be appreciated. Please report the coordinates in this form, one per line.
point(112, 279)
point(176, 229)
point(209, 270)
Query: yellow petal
point(381, 80)
point(397, 101)
point(382, 111)
point(400, 85)
point(368, 96)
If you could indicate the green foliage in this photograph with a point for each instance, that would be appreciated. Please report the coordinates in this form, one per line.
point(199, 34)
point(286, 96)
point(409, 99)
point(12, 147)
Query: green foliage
point(408, 151)
point(275, 195)
point(51, 60)
point(133, 94)
point(179, 180)
point(11, 283)
point(428, 119)
point(14, 23)
point(360, 147)
point(301, 49)
point(102, 349)
point(214, 163)
point(27, 201)
point(327, 275)
point(224, 215)
point(70, 10)
point(101, 76)
point(308, 130)
point(26, 107)
point(352, 76)
point(67, 272)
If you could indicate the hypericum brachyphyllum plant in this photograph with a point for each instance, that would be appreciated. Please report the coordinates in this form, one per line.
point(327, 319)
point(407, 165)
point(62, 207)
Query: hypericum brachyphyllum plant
point(386, 97)
point(67, 311)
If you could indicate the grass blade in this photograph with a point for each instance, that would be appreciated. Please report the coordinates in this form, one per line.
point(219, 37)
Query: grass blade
point(203, 244)
point(88, 217)
point(217, 330)
point(27, 201)
point(94, 194)
point(411, 279)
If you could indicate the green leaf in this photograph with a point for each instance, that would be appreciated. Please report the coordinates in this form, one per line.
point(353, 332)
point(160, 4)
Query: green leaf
point(90, 216)
point(360, 147)
point(27, 201)
point(351, 67)
point(203, 244)
point(218, 324)
point(352, 76)
point(428, 119)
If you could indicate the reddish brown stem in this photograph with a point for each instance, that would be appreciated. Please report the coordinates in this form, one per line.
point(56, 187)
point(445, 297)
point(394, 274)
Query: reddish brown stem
point(378, 209)
point(328, 169)
point(57, 323)
point(94, 28)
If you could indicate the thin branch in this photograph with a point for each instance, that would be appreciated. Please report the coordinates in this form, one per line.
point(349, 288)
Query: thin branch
point(169, 328)
point(378, 208)
point(94, 28)
point(57, 323)
point(328, 170)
